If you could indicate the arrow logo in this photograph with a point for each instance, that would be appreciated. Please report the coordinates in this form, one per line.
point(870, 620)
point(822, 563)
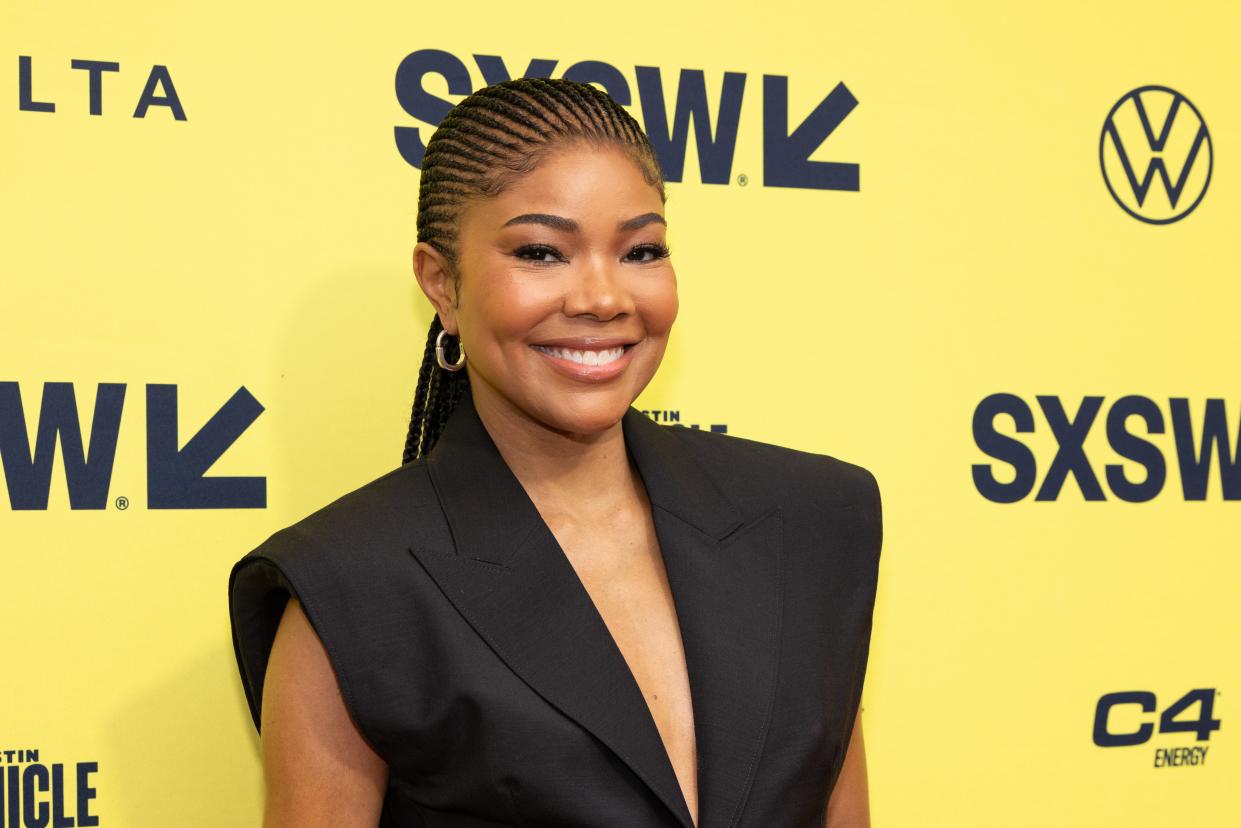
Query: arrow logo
point(786, 158)
point(175, 476)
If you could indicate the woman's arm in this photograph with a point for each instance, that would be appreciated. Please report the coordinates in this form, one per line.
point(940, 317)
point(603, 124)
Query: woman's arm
point(849, 806)
point(318, 769)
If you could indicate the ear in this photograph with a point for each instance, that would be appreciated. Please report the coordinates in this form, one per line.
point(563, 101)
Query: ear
point(435, 277)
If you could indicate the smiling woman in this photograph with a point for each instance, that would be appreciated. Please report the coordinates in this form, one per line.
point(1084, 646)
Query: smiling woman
point(566, 311)
point(556, 612)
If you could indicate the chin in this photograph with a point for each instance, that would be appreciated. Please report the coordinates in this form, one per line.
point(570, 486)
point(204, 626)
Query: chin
point(586, 416)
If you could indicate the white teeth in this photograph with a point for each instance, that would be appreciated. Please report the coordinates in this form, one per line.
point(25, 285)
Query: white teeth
point(584, 357)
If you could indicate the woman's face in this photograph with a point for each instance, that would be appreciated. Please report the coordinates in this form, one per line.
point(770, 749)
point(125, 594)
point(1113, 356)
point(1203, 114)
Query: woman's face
point(566, 295)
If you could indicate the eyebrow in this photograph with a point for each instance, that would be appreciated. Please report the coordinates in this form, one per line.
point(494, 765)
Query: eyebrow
point(570, 226)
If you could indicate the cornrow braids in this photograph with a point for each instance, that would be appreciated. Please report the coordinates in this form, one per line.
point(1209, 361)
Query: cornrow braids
point(486, 142)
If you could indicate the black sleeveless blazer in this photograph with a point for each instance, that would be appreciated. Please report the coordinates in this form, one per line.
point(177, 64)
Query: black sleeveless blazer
point(475, 663)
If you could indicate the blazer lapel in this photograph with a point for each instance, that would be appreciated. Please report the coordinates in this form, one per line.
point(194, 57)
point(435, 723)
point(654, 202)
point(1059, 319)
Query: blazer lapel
point(724, 568)
point(510, 580)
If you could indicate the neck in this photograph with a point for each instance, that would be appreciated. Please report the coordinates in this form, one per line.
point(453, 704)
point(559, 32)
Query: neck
point(566, 474)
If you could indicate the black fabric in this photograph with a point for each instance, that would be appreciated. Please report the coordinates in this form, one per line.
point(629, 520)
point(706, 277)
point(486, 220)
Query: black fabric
point(473, 660)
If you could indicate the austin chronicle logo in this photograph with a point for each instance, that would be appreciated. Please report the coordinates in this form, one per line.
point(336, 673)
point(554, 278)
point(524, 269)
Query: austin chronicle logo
point(1178, 155)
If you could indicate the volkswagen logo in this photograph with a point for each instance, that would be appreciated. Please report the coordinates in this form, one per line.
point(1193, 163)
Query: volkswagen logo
point(1156, 154)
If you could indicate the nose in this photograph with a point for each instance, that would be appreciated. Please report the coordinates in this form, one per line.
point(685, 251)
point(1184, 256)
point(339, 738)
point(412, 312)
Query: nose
point(598, 290)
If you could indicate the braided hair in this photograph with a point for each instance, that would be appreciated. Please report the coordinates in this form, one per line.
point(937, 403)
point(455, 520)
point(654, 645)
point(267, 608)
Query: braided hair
point(484, 144)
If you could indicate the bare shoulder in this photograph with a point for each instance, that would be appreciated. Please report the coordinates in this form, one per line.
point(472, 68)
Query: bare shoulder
point(318, 768)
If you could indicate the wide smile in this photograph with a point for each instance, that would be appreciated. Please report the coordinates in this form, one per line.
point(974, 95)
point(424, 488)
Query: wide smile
point(583, 357)
point(587, 361)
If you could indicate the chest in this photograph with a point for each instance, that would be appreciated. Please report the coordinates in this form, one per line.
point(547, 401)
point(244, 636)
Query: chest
point(517, 686)
point(623, 571)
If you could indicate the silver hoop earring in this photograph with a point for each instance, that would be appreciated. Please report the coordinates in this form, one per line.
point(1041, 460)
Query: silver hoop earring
point(439, 354)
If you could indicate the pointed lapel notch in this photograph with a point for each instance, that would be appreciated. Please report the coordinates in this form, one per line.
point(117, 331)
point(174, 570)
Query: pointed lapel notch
point(725, 569)
point(513, 584)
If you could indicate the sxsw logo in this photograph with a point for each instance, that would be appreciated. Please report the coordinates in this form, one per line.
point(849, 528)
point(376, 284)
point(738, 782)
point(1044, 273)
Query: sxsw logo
point(786, 151)
point(175, 472)
point(1200, 444)
point(1154, 134)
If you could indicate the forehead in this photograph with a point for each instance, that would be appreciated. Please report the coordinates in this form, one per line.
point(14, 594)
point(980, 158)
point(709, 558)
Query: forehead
point(594, 185)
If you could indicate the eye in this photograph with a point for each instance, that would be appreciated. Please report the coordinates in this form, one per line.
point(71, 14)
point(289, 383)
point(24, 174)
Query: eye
point(647, 253)
point(538, 253)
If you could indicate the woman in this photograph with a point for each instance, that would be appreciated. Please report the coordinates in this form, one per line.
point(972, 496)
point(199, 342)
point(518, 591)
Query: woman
point(555, 611)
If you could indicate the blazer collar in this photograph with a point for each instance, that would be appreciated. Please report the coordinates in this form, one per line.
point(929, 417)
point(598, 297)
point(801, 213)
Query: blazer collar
point(511, 581)
point(485, 503)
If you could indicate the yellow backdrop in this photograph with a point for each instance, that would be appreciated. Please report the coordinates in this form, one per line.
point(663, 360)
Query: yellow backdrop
point(207, 222)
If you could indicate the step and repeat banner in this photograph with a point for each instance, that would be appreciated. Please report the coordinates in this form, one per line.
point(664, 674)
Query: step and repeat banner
point(987, 251)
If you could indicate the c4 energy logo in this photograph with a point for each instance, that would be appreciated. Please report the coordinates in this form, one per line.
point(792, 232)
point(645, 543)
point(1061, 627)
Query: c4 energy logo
point(34, 794)
point(1198, 442)
point(175, 472)
point(1154, 134)
point(786, 153)
point(1138, 708)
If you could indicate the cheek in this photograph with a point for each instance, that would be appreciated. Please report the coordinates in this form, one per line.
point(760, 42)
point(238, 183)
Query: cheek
point(506, 306)
point(658, 305)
